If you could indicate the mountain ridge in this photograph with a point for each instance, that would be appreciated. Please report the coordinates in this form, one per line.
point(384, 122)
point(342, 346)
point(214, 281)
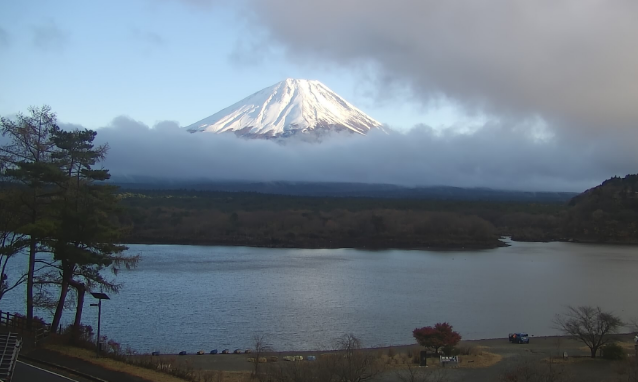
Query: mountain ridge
point(341, 190)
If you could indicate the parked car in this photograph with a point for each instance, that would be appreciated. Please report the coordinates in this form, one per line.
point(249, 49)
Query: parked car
point(519, 338)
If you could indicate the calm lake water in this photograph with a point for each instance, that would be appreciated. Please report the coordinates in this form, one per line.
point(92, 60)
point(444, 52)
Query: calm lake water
point(195, 297)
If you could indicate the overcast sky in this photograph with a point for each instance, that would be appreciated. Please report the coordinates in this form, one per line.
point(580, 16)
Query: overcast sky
point(501, 93)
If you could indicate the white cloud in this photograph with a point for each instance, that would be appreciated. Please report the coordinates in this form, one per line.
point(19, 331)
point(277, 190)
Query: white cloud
point(494, 156)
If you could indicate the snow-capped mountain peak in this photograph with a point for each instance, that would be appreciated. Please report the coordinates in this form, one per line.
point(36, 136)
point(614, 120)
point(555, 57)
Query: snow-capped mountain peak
point(286, 108)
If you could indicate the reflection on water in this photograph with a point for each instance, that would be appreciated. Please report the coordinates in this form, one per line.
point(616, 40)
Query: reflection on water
point(193, 297)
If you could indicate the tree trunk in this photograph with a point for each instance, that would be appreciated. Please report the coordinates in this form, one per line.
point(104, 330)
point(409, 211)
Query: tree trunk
point(67, 275)
point(64, 289)
point(81, 289)
point(593, 351)
point(30, 276)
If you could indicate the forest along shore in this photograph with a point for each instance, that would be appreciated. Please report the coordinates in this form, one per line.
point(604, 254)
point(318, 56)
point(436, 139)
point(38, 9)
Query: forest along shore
point(259, 220)
point(275, 221)
point(604, 214)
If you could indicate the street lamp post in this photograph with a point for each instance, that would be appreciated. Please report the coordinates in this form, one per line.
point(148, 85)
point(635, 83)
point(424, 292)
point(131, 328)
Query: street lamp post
point(100, 297)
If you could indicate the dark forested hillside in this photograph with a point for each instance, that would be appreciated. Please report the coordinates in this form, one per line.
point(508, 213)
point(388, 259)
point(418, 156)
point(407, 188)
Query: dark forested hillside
point(200, 217)
point(606, 213)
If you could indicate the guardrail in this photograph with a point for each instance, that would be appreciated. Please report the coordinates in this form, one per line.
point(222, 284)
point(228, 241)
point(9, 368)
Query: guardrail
point(18, 323)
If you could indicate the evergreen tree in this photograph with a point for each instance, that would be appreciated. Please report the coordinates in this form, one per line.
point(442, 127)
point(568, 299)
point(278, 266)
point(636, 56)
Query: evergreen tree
point(26, 161)
point(84, 240)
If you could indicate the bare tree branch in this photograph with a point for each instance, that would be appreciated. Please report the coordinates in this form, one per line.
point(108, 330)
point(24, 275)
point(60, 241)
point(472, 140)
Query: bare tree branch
point(591, 325)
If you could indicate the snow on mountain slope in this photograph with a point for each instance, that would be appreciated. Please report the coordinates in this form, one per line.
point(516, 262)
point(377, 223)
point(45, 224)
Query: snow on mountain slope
point(287, 108)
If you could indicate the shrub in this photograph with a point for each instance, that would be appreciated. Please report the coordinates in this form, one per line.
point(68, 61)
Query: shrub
point(114, 348)
point(614, 351)
point(82, 338)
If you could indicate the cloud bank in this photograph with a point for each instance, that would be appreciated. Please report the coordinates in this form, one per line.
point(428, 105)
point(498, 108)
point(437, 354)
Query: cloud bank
point(495, 156)
point(571, 62)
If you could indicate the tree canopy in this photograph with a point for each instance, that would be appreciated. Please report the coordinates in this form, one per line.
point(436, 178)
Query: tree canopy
point(437, 336)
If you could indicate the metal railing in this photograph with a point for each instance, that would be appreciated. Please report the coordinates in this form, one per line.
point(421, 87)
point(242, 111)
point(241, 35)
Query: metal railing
point(18, 323)
point(10, 345)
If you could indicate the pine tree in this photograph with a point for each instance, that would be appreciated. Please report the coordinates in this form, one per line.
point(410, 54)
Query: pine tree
point(26, 161)
point(85, 240)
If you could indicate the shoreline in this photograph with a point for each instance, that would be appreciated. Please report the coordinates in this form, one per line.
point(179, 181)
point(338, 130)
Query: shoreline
point(409, 247)
point(575, 241)
point(484, 342)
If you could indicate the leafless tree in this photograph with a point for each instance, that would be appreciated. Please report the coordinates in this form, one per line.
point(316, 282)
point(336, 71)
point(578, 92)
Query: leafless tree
point(260, 347)
point(590, 325)
point(352, 363)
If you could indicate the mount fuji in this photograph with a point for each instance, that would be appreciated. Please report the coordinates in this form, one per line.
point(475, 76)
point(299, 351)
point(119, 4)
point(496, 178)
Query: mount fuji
point(287, 108)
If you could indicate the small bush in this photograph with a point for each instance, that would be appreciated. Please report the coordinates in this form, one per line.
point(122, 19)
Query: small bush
point(614, 351)
point(391, 352)
point(83, 338)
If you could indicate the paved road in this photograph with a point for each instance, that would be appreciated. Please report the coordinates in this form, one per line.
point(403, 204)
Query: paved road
point(25, 372)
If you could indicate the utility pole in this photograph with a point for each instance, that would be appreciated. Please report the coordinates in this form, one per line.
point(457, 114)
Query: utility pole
point(100, 297)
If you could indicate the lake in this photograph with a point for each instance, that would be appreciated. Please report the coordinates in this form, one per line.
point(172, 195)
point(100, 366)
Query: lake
point(197, 297)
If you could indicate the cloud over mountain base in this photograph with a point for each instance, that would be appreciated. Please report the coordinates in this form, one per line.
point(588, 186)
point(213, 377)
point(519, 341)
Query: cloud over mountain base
point(494, 156)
